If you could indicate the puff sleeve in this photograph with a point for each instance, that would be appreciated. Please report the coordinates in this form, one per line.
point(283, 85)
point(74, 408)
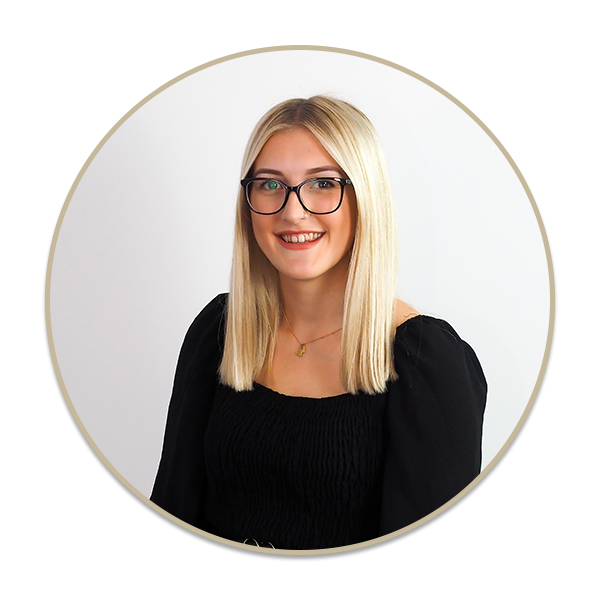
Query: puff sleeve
point(435, 419)
point(180, 484)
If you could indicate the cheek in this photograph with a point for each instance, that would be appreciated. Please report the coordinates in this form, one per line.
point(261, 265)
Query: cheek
point(350, 225)
point(255, 226)
point(261, 230)
point(351, 236)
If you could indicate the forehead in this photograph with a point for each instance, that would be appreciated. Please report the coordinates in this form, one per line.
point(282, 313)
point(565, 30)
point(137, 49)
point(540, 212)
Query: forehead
point(295, 148)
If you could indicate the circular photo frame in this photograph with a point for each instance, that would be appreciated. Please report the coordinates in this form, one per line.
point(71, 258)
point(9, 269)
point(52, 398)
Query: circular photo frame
point(145, 238)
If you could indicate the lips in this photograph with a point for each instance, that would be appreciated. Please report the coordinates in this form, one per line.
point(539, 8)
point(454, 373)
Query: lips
point(299, 239)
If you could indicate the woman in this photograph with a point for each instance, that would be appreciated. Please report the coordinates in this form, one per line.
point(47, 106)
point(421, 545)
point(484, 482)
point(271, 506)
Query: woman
point(311, 409)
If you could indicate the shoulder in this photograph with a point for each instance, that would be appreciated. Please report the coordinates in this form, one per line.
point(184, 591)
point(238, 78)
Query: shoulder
point(430, 349)
point(212, 314)
point(421, 333)
point(403, 312)
point(208, 329)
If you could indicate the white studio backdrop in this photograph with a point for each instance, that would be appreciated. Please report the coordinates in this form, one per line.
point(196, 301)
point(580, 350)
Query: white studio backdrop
point(147, 239)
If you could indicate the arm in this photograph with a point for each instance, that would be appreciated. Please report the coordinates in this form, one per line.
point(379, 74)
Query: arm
point(435, 419)
point(180, 483)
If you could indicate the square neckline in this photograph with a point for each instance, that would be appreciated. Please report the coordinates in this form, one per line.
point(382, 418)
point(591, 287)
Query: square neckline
point(402, 326)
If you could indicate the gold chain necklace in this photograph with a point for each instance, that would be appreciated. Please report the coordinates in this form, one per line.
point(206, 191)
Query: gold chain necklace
point(302, 349)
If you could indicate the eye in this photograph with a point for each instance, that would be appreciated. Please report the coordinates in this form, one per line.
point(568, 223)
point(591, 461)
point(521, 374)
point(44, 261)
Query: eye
point(271, 185)
point(323, 184)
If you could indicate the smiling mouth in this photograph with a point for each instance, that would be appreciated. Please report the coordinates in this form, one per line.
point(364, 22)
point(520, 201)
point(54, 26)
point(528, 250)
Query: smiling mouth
point(301, 238)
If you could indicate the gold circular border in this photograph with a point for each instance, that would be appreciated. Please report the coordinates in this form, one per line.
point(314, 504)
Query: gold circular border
point(320, 49)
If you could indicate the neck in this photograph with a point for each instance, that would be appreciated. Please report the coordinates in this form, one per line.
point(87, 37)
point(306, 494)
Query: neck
point(314, 307)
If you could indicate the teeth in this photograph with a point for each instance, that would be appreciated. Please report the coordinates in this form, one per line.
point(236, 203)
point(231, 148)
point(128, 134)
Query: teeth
point(300, 239)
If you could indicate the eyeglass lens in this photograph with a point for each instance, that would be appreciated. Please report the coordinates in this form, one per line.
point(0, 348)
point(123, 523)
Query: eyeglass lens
point(318, 196)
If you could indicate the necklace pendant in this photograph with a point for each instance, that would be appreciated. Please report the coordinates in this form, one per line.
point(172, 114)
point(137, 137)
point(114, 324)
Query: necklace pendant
point(300, 352)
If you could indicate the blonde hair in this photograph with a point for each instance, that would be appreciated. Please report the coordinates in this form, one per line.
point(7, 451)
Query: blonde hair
point(254, 306)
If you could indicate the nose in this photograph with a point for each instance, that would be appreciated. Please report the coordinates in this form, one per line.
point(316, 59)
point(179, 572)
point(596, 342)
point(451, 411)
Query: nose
point(293, 211)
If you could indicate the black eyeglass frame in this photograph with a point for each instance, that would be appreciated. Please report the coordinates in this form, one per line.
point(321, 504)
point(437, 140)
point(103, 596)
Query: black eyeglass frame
point(245, 183)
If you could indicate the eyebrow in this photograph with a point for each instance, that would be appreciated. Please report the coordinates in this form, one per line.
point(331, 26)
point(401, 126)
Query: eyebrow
point(312, 171)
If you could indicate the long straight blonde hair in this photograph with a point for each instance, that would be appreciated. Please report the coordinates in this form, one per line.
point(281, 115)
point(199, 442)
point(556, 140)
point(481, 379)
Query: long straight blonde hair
point(254, 306)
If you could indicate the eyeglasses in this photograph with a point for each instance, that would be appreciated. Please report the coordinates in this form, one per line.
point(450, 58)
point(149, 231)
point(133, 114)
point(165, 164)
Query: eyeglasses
point(319, 196)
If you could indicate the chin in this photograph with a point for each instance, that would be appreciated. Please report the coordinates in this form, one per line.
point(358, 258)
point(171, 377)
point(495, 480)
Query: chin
point(301, 274)
point(313, 272)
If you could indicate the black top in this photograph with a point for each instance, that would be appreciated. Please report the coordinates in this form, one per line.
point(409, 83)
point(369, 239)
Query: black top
point(300, 473)
point(431, 449)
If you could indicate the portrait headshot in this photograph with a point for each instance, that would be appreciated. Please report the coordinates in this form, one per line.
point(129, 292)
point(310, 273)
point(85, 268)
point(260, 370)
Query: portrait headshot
point(299, 300)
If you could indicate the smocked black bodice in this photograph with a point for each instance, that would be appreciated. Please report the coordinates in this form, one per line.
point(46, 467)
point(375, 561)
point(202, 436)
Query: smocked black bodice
point(301, 473)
